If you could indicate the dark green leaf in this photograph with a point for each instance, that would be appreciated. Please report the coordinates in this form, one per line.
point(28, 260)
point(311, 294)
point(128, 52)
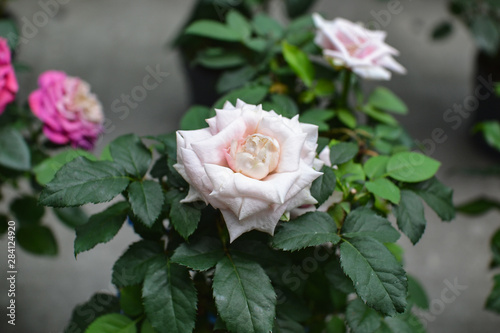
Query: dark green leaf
point(230, 80)
point(4, 224)
point(361, 318)
point(411, 167)
point(200, 254)
point(84, 314)
point(71, 216)
point(195, 117)
point(343, 152)
point(410, 216)
point(442, 30)
point(214, 30)
point(131, 267)
point(317, 117)
point(438, 196)
point(336, 325)
point(365, 222)
point(27, 211)
point(493, 301)
point(382, 98)
point(491, 132)
point(239, 23)
point(385, 189)
point(347, 118)
point(101, 227)
point(131, 300)
point(378, 278)
point(82, 181)
point(486, 33)
point(284, 324)
point(146, 200)
point(147, 328)
point(266, 26)
point(45, 171)
point(244, 296)
point(169, 297)
point(250, 95)
point(298, 7)
point(322, 188)
point(379, 115)
point(337, 277)
point(282, 105)
point(37, 239)
point(112, 323)
point(495, 249)
point(310, 229)
point(14, 152)
point(417, 293)
point(299, 62)
point(131, 154)
point(184, 218)
point(219, 58)
point(478, 206)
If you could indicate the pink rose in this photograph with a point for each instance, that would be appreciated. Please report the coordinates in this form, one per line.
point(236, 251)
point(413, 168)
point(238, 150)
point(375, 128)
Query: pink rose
point(8, 81)
point(350, 45)
point(253, 165)
point(69, 111)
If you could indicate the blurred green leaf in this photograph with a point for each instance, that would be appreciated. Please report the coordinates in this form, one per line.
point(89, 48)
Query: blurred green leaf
point(376, 166)
point(486, 34)
point(37, 239)
point(411, 167)
point(27, 211)
point(71, 216)
point(361, 318)
point(131, 300)
point(442, 30)
point(14, 152)
point(112, 323)
point(410, 216)
point(98, 305)
point(251, 95)
point(493, 301)
point(299, 62)
point(384, 99)
point(385, 189)
point(417, 293)
point(233, 79)
point(318, 117)
point(214, 30)
point(322, 188)
point(343, 152)
point(478, 206)
point(195, 117)
point(239, 23)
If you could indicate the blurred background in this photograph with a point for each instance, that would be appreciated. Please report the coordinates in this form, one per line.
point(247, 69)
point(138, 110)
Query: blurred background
point(114, 44)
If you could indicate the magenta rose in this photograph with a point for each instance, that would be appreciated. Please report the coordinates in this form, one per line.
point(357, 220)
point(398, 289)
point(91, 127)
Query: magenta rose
point(8, 81)
point(70, 113)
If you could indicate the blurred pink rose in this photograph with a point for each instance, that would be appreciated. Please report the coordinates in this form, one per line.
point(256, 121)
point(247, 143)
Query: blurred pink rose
point(351, 45)
point(253, 165)
point(8, 81)
point(69, 111)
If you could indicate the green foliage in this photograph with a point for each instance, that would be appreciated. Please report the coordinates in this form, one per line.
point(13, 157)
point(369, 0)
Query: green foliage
point(251, 95)
point(411, 167)
point(195, 117)
point(343, 152)
point(382, 98)
point(478, 206)
point(27, 211)
point(361, 318)
point(131, 300)
point(299, 62)
point(363, 222)
point(317, 117)
point(493, 301)
point(438, 196)
point(244, 296)
point(491, 132)
point(410, 216)
point(14, 152)
point(146, 200)
point(101, 227)
point(184, 217)
point(98, 305)
point(213, 29)
point(131, 154)
point(321, 188)
point(169, 297)
point(112, 323)
point(71, 216)
point(83, 181)
point(417, 294)
point(37, 239)
point(200, 255)
point(495, 249)
point(385, 189)
point(310, 229)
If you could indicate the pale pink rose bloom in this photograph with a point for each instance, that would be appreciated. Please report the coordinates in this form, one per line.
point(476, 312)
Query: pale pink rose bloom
point(351, 45)
point(253, 165)
point(69, 111)
point(8, 81)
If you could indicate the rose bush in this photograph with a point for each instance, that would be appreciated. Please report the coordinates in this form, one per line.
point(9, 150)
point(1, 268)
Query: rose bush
point(8, 81)
point(69, 111)
point(252, 164)
point(350, 45)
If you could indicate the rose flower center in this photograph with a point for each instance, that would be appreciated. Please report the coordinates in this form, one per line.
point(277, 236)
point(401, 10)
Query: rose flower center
point(256, 156)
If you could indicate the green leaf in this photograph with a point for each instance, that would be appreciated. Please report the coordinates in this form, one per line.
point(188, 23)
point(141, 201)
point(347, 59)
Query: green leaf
point(310, 229)
point(169, 297)
point(27, 211)
point(184, 218)
point(388, 132)
point(9, 31)
point(146, 200)
point(361, 318)
point(37, 239)
point(363, 222)
point(14, 152)
point(257, 44)
point(410, 216)
point(239, 23)
point(493, 301)
point(45, 171)
point(284, 324)
point(131, 267)
point(478, 206)
point(382, 98)
point(266, 26)
point(495, 249)
point(98, 305)
point(213, 30)
point(195, 117)
point(282, 105)
point(442, 30)
point(491, 132)
point(71, 216)
point(417, 293)
point(147, 328)
point(395, 325)
point(318, 117)
point(385, 189)
point(112, 323)
point(82, 181)
point(130, 153)
point(322, 188)
point(347, 118)
point(324, 88)
point(131, 300)
point(250, 95)
point(351, 173)
point(343, 152)
point(101, 227)
point(337, 278)
point(230, 80)
point(411, 167)
point(296, 8)
point(244, 296)
point(199, 255)
point(438, 196)
point(376, 166)
point(378, 278)
point(299, 62)
point(218, 58)
point(379, 115)
point(486, 34)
